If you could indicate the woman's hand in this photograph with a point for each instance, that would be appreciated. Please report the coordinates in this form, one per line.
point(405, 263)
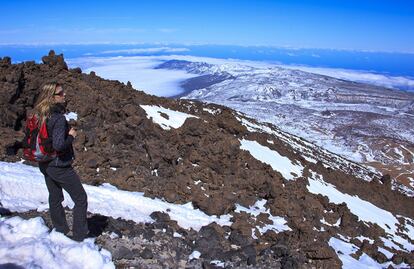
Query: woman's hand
point(73, 132)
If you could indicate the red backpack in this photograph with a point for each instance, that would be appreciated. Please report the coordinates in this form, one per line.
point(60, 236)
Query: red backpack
point(38, 144)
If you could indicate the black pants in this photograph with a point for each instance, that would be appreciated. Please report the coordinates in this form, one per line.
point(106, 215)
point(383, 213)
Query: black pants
point(58, 178)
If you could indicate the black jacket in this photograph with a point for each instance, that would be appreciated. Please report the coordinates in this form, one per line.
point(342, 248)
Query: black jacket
point(58, 128)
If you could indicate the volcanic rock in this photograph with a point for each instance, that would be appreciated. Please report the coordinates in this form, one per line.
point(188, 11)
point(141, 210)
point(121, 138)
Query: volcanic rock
point(201, 163)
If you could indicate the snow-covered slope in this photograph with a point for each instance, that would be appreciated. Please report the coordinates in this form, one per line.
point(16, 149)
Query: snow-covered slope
point(18, 182)
point(364, 123)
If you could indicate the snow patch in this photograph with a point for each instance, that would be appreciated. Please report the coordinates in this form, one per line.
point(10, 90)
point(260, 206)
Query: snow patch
point(278, 162)
point(365, 211)
point(362, 238)
point(344, 251)
point(336, 224)
point(177, 235)
point(307, 150)
point(279, 223)
point(385, 252)
point(22, 188)
point(195, 255)
point(212, 111)
point(71, 116)
point(29, 244)
point(217, 263)
point(175, 118)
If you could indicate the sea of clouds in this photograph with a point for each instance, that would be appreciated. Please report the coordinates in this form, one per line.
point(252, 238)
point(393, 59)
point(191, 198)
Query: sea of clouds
point(141, 72)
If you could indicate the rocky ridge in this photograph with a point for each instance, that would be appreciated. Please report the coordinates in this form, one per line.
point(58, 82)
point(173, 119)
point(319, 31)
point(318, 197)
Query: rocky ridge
point(365, 123)
point(202, 162)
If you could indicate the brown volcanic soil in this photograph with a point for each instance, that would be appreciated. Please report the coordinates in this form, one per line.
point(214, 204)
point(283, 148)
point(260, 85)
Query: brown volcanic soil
point(113, 131)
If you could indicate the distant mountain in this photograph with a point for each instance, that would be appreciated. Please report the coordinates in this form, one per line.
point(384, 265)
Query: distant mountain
point(260, 197)
point(365, 123)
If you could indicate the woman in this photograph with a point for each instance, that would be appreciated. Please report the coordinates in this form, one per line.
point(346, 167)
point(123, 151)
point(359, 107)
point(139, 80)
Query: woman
point(59, 173)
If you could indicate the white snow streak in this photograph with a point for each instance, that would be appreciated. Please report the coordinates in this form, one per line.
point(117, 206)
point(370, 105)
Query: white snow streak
point(175, 118)
point(279, 223)
point(345, 249)
point(366, 212)
point(278, 162)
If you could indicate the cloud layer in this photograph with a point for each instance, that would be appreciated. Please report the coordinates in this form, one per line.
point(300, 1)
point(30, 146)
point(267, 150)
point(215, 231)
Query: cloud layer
point(397, 82)
point(139, 70)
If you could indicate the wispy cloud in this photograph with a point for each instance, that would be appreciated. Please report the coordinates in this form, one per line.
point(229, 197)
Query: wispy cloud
point(146, 50)
point(10, 31)
point(96, 30)
point(53, 30)
point(88, 19)
point(167, 30)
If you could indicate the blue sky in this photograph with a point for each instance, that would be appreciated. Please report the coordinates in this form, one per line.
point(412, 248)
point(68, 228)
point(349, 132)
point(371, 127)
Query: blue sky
point(359, 25)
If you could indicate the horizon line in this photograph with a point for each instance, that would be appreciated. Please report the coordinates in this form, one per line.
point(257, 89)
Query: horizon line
point(285, 47)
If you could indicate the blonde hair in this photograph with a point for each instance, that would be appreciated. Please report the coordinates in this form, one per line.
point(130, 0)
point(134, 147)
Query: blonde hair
point(46, 100)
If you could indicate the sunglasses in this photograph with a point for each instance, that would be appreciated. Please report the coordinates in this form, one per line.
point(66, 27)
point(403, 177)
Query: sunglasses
point(61, 93)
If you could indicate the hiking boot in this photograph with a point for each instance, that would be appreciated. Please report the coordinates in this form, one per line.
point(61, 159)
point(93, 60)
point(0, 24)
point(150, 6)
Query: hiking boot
point(81, 238)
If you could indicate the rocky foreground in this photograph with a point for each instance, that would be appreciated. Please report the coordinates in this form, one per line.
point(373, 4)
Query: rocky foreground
point(202, 162)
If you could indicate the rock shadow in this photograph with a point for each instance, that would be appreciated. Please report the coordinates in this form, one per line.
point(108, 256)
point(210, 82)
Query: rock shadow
point(97, 224)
